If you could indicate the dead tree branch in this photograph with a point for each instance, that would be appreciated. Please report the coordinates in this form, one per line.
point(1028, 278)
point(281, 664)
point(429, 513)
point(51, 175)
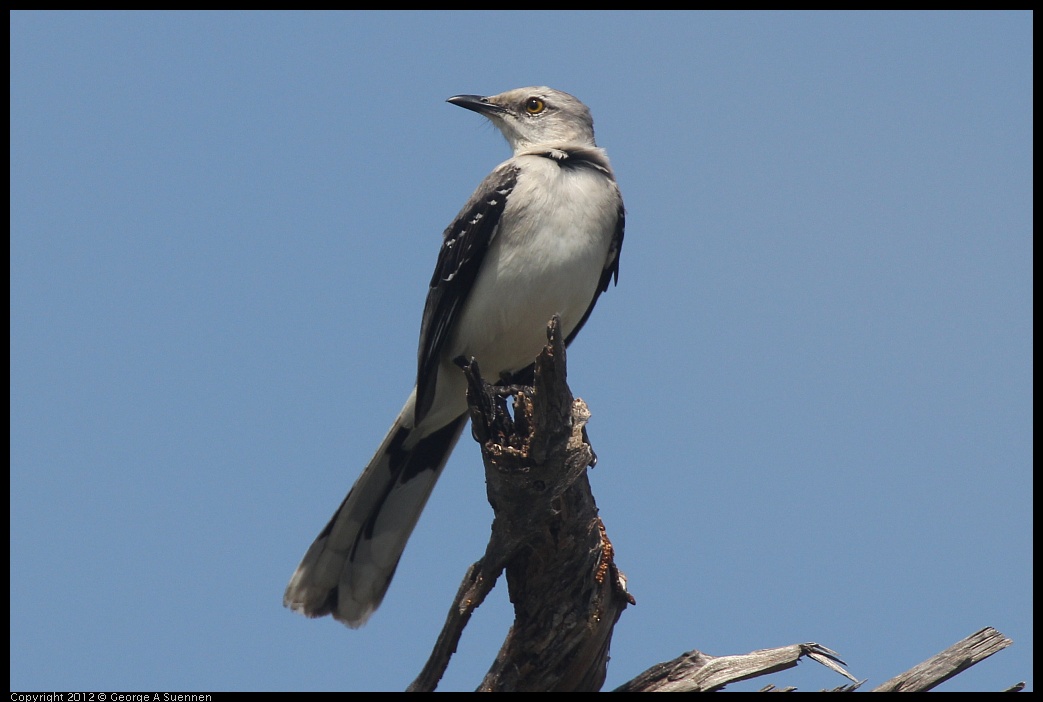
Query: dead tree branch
point(953, 660)
point(546, 534)
point(697, 672)
point(561, 576)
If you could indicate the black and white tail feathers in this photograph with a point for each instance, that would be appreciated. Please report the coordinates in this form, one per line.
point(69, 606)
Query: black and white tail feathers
point(348, 568)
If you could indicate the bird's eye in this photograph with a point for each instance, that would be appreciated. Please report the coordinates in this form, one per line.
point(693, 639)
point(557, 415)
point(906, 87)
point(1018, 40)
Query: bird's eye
point(534, 106)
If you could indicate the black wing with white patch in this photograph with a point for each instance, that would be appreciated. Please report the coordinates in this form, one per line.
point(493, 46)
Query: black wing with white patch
point(464, 244)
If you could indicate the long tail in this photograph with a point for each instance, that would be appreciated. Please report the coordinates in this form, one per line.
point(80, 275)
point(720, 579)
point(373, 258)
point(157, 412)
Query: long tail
point(348, 568)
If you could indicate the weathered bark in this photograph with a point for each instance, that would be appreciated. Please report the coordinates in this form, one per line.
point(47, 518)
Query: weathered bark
point(546, 533)
point(953, 660)
point(697, 672)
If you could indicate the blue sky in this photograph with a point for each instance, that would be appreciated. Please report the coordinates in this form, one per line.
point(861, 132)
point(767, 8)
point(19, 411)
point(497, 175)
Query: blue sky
point(811, 389)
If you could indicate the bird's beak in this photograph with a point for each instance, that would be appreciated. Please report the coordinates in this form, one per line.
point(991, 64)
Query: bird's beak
point(477, 103)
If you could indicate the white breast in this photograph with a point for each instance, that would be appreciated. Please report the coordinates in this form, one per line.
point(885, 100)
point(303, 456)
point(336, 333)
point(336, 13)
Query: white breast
point(546, 258)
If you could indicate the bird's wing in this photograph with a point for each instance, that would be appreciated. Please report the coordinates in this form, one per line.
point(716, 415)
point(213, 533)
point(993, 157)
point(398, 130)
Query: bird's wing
point(464, 244)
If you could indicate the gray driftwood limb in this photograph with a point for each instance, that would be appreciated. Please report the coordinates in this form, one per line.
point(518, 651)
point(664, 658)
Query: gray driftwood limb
point(546, 534)
point(698, 672)
point(695, 671)
point(955, 659)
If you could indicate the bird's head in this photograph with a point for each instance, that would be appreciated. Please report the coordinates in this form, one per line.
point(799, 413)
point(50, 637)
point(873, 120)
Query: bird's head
point(537, 116)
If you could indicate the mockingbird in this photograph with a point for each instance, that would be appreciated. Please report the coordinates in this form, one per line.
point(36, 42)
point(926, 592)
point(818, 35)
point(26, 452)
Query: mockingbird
point(540, 236)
